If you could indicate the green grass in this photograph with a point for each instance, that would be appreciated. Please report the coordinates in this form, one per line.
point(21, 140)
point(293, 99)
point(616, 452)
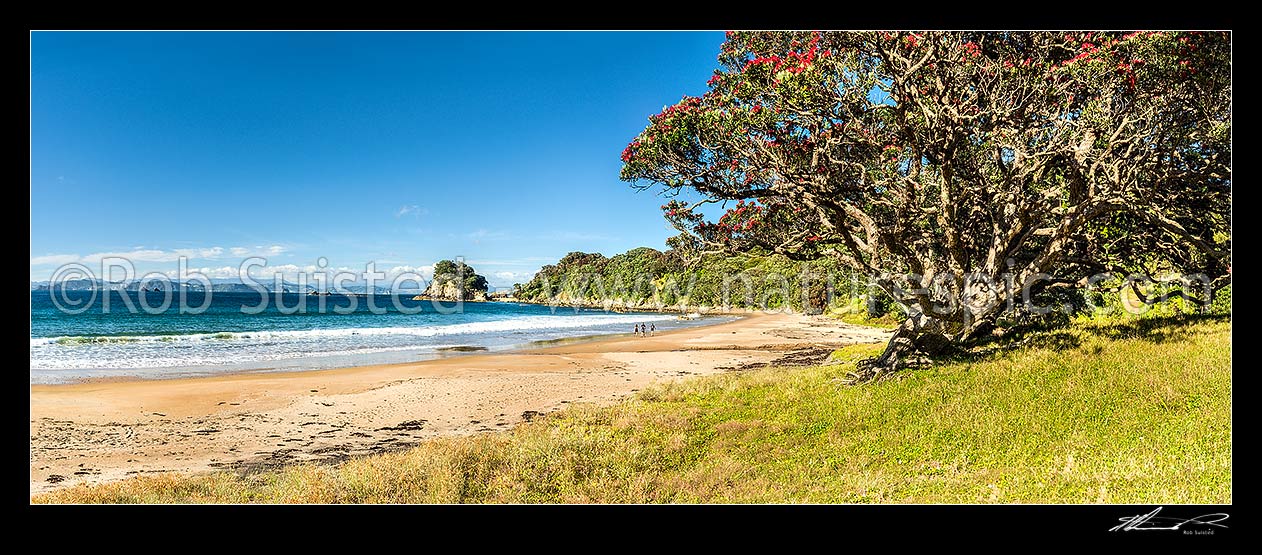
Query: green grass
point(885, 321)
point(1138, 412)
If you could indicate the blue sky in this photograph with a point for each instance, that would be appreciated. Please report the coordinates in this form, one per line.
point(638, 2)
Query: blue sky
point(398, 148)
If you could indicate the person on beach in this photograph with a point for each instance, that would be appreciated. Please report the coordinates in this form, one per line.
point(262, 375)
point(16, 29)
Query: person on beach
point(637, 329)
point(652, 329)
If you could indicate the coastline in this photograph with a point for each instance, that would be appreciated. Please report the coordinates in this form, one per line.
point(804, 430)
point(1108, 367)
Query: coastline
point(623, 306)
point(218, 343)
point(102, 431)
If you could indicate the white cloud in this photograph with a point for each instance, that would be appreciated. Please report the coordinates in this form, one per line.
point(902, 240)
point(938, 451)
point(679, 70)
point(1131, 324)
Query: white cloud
point(220, 272)
point(159, 255)
point(512, 275)
point(208, 253)
point(54, 259)
point(405, 277)
point(426, 271)
point(412, 209)
point(507, 279)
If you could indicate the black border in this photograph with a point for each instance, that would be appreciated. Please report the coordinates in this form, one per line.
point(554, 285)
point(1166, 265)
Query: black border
point(844, 527)
point(641, 16)
point(841, 527)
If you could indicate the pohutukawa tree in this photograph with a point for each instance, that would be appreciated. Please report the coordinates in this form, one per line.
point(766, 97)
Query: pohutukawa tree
point(958, 169)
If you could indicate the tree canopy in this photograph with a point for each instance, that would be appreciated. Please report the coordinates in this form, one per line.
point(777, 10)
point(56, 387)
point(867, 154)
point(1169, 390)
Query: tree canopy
point(647, 278)
point(957, 169)
point(468, 282)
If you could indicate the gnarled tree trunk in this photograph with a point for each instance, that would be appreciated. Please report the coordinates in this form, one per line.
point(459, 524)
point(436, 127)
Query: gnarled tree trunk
point(919, 335)
point(940, 330)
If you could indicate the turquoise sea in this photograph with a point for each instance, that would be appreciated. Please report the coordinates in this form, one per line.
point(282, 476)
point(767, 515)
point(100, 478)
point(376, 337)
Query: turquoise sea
point(300, 333)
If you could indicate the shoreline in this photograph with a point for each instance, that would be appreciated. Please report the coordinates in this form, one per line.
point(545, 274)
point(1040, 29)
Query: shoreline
point(441, 353)
point(103, 431)
point(336, 360)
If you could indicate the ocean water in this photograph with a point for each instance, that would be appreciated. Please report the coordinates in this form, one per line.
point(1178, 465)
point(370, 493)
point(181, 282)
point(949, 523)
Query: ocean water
point(95, 343)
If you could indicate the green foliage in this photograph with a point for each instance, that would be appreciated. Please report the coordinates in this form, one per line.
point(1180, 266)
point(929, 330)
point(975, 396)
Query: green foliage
point(1115, 299)
point(954, 154)
point(645, 276)
point(887, 321)
point(1129, 412)
point(457, 272)
point(1222, 301)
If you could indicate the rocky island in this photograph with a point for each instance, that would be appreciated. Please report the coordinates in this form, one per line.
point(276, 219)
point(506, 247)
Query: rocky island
point(455, 281)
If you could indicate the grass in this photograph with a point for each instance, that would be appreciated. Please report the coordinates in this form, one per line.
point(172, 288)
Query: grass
point(884, 321)
point(856, 312)
point(1138, 412)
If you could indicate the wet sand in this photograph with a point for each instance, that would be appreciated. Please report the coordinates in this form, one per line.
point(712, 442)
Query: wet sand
point(109, 430)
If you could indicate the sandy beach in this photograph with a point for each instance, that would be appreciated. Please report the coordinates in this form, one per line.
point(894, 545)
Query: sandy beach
point(102, 431)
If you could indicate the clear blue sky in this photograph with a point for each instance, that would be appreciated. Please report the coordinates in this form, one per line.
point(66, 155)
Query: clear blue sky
point(399, 148)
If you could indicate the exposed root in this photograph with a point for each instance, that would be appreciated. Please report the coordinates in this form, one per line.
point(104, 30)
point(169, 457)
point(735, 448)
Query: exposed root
point(915, 340)
point(867, 370)
point(872, 370)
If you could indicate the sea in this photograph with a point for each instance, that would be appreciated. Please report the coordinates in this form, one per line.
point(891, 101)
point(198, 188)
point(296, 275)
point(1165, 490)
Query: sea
point(77, 335)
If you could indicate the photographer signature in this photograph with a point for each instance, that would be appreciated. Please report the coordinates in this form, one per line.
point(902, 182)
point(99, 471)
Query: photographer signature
point(1151, 521)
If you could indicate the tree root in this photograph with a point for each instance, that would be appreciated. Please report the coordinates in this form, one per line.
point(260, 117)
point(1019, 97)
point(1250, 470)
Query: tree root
point(873, 370)
point(915, 340)
point(867, 370)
